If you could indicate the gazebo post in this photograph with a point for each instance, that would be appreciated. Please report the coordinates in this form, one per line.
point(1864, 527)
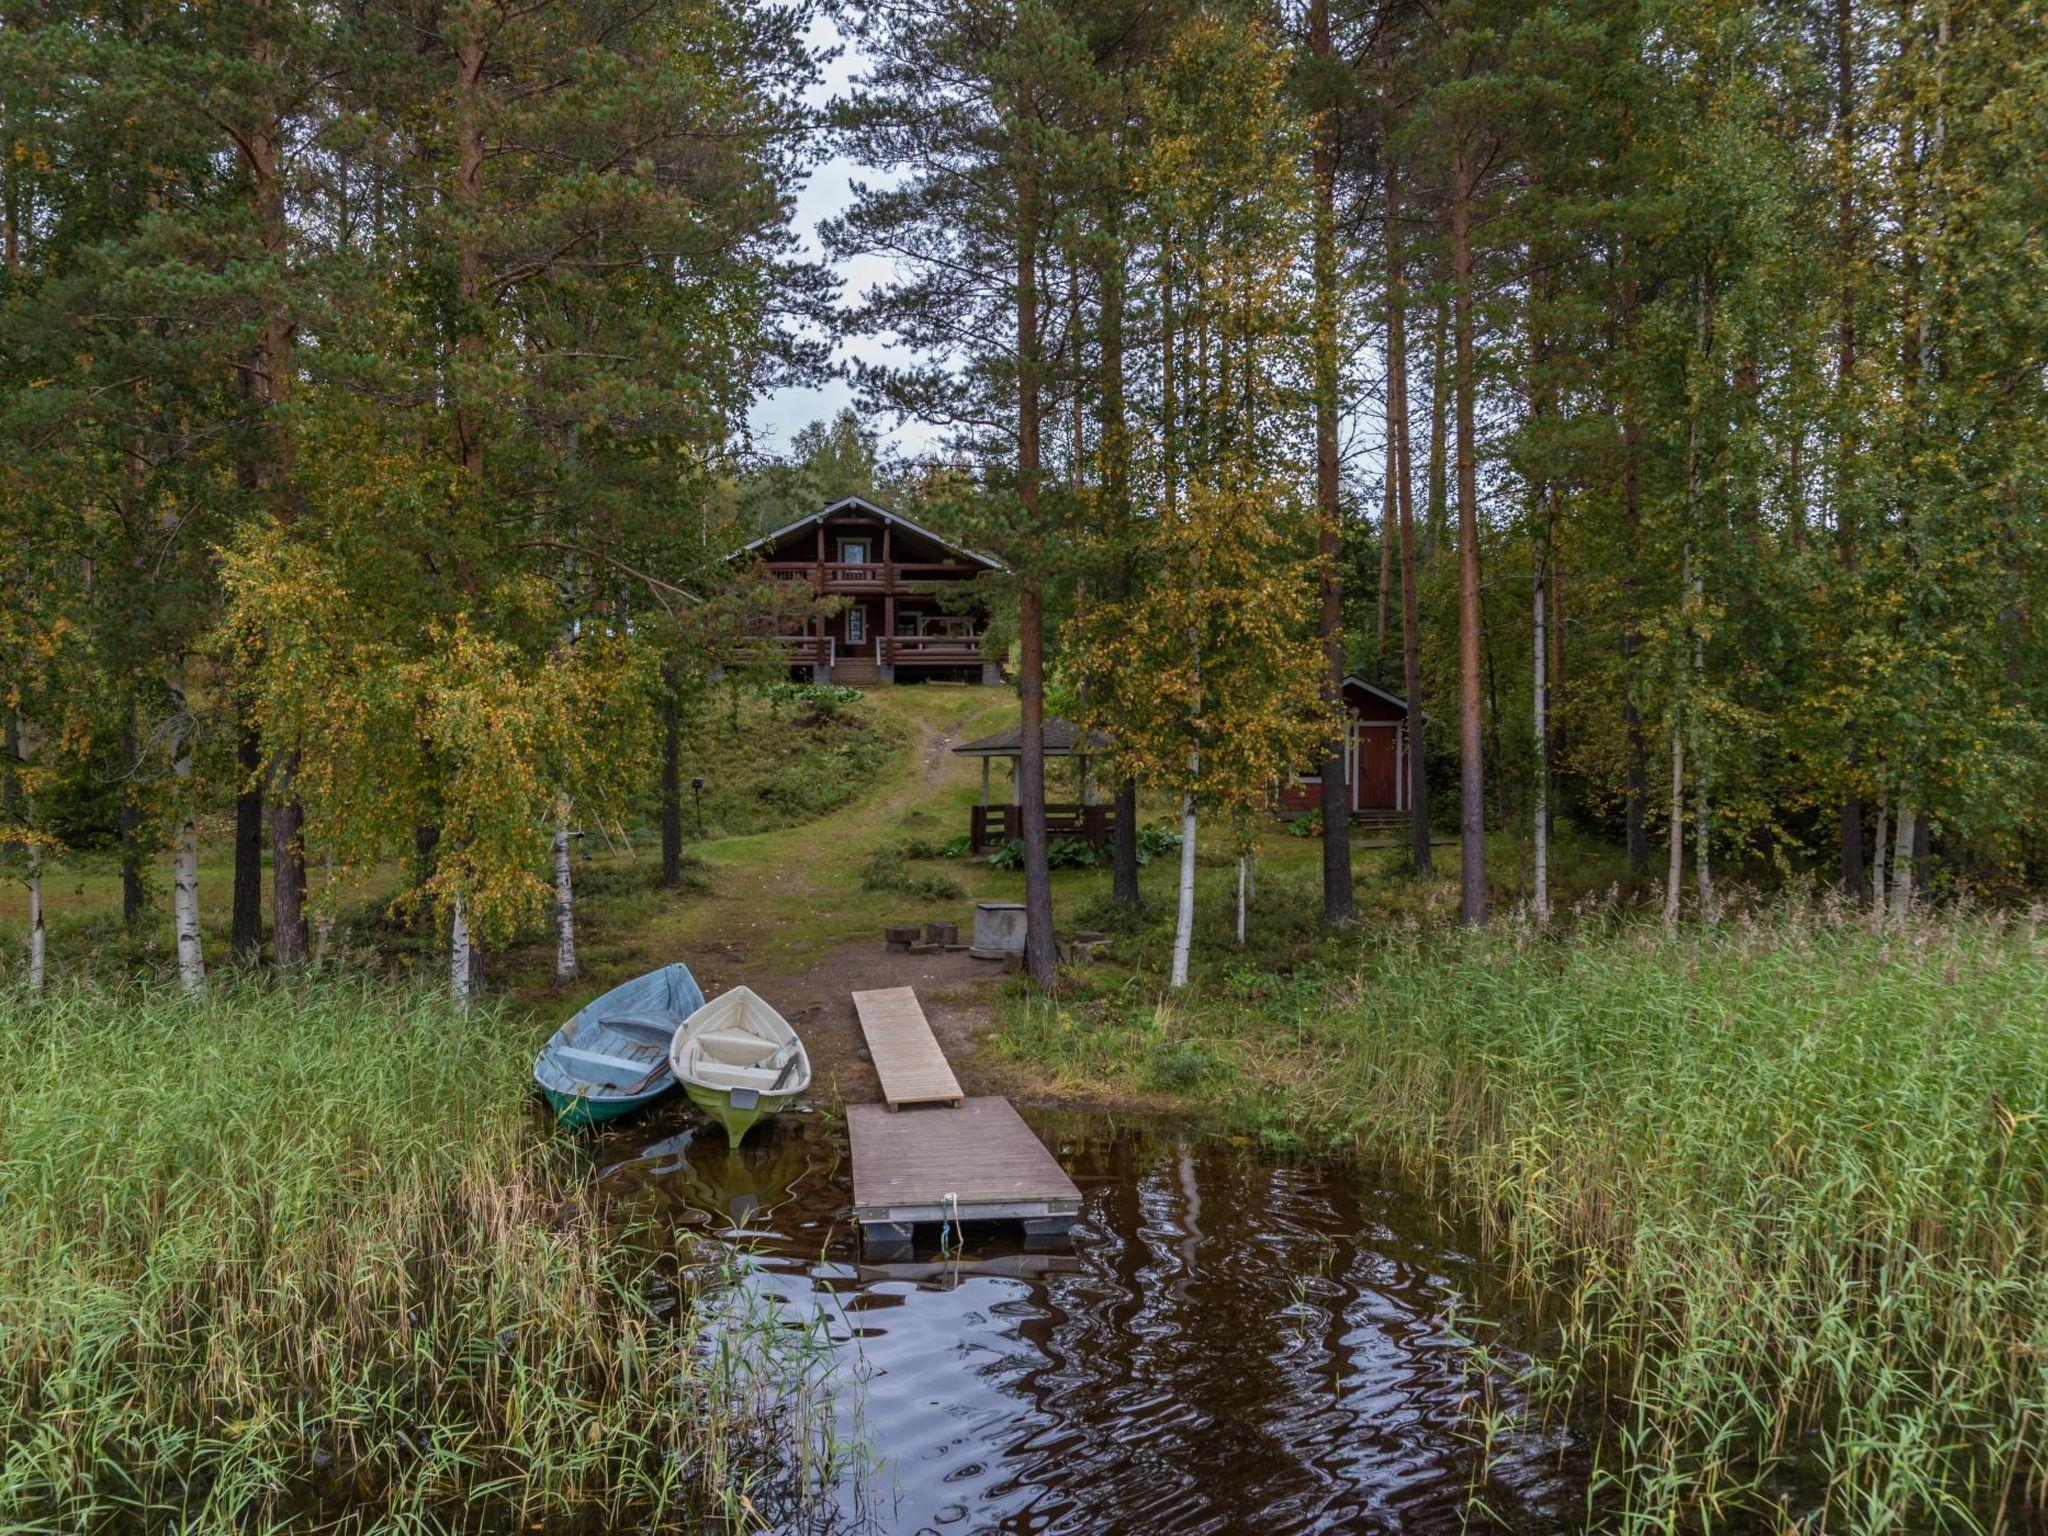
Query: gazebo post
point(984, 780)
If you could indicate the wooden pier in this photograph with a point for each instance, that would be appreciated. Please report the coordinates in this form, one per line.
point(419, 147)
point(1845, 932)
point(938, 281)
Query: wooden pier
point(951, 1158)
point(976, 1161)
point(907, 1058)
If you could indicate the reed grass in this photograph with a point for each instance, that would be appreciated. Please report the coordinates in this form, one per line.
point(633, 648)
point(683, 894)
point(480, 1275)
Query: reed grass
point(302, 1257)
point(1777, 1190)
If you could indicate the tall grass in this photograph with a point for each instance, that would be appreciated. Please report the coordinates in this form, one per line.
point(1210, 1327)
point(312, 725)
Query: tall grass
point(1779, 1189)
point(273, 1257)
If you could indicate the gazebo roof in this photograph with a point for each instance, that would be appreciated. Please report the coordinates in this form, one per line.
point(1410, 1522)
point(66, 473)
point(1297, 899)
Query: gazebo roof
point(1062, 739)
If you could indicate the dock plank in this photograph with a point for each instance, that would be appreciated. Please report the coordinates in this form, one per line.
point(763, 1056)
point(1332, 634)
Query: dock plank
point(907, 1057)
point(980, 1152)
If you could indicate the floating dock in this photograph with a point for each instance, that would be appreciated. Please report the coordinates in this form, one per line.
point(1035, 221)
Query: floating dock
point(907, 1058)
point(974, 1161)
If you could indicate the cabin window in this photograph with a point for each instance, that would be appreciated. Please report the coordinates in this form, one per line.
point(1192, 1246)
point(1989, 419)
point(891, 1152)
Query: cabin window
point(906, 626)
point(853, 551)
point(856, 626)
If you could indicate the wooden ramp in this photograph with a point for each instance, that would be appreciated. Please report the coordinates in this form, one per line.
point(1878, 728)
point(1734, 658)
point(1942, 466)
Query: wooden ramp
point(908, 1060)
point(977, 1161)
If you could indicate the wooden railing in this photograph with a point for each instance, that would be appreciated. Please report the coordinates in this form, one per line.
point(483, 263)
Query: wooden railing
point(864, 575)
point(932, 650)
point(991, 826)
point(810, 650)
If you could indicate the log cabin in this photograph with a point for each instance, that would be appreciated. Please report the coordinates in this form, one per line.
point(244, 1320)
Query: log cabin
point(907, 603)
point(1375, 744)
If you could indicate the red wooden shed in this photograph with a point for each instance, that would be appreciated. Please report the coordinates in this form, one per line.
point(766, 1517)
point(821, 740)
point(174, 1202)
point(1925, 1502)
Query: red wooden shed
point(1375, 745)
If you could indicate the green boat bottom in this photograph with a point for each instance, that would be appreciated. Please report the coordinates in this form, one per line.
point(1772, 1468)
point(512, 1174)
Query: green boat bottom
point(574, 1110)
point(736, 1109)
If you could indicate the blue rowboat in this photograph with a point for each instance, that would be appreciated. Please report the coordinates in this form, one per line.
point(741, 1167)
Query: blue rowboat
point(613, 1056)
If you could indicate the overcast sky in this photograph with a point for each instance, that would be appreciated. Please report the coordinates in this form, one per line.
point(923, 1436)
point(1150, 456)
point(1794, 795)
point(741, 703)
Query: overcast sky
point(778, 416)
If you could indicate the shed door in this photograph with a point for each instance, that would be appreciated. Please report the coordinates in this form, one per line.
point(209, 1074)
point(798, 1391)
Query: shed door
point(1379, 762)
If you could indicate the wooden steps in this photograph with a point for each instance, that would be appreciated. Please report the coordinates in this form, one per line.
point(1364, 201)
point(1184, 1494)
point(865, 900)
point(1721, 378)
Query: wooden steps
point(856, 672)
point(907, 1057)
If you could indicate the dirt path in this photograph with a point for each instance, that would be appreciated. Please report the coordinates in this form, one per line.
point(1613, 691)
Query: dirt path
point(810, 970)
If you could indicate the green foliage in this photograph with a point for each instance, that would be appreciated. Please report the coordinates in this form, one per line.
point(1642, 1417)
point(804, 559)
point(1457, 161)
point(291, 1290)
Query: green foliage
point(885, 870)
point(1309, 825)
point(1060, 853)
point(764, 767)
point(818, 698)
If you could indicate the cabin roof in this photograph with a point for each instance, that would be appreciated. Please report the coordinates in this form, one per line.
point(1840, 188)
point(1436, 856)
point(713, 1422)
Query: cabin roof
point(1062, 739)
point(862, 504)
point(1376, 691)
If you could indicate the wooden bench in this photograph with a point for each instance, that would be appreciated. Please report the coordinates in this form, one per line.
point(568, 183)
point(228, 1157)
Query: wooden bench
point(907, 1058)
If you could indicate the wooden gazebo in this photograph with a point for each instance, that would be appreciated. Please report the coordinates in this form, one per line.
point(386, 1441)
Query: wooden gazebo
point(991, 825)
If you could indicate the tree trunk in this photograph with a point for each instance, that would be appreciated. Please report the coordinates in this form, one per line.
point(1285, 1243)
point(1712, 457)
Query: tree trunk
point(565, 899)
point(1854, 881)
point(1401, 471)
point(1244, 873)
point(1436, 493)
point(36, 939)
point(671, 785)
point(1879, 850)
point(1184, 919)
point(471, 54)
point(1338, 896)
point(1041, 958)
point(288, 939)
point(245, 938)
point(1903, 893)
point(1674, 874)
point(1472, 769)
point(185, 874)
point(1637, 755)
point(458, 955)
point(1540, 711)
point(128, 820)
point(323, 925)
point(1125, 877)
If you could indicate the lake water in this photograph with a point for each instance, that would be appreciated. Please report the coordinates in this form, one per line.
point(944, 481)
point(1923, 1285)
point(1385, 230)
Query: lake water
point(1233, 1342)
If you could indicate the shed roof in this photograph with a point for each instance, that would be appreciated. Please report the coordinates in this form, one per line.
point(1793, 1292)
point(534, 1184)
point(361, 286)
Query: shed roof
point(1376, 691)
point(1062, 739)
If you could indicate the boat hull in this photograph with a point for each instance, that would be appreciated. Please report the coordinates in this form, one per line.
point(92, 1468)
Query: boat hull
point(736, 1122)
point(573, 1109)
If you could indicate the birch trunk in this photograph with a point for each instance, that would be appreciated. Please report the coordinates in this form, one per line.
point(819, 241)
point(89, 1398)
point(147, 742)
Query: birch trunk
point(1243, 894)
point(1674, 876)
point(323, 922)
point(1902, 863)
point(1184, 923)
point(185, 878)
point(1541, 711)
point(35, 918)
point(565, 900)
point(458, 956)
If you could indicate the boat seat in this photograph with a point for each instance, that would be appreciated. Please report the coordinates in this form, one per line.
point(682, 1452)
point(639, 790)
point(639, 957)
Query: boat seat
point(657, 1024)
point(633, 1070)
point(719, 1074)
point(735, 1047)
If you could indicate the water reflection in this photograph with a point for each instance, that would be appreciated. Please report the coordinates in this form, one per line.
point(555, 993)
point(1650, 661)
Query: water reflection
point(1234, 1343)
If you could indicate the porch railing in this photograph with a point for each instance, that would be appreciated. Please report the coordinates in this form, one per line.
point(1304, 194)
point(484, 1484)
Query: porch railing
point(864, 575)
point(810, 650)
point(932, 650)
